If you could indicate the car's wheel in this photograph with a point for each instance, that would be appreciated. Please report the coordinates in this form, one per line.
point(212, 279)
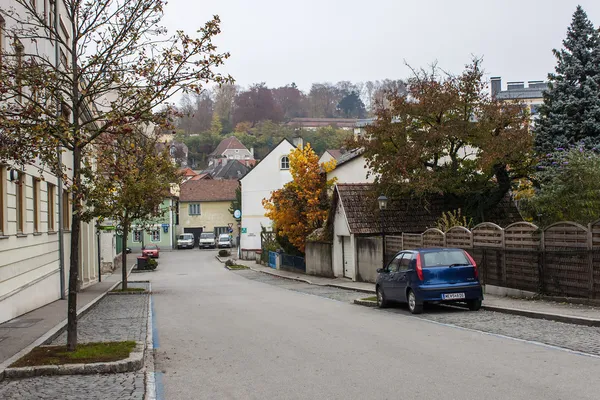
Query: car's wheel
point(474, 305)
point(413, 306)
point(381, 300)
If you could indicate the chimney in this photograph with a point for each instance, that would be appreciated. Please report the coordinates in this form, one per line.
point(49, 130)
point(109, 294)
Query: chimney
point(298, 142)
point(515, 85)
point(252, 151)
point(496, 85)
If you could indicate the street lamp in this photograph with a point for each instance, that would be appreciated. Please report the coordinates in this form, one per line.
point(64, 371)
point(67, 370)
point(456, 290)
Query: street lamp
point(382, 200)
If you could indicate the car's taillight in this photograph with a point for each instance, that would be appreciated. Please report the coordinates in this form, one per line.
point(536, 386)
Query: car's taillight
point(473, 263)
point(419, 267)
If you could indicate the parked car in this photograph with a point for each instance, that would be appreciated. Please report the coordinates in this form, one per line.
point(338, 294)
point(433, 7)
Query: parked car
point(224, 241)
point(151, 250)
point(207, 240)
point(430, 275)
point(185, 241)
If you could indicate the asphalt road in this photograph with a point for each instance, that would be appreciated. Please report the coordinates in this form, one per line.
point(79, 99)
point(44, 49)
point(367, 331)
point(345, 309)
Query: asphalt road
point(222, 336)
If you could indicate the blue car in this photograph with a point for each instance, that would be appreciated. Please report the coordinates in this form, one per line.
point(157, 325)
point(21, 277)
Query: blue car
point(430, 275)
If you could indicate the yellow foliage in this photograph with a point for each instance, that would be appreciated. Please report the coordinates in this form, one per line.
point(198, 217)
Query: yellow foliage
point(301, 206)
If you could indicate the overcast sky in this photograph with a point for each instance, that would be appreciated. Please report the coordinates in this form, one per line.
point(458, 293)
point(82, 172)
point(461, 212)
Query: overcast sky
point(306, 41)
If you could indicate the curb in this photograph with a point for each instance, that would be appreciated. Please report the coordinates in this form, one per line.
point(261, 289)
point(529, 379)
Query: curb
point(54, 332)
point(569, 319)
point(132, 363)
point(316, 284)
point(150, 380)
point(366, 303)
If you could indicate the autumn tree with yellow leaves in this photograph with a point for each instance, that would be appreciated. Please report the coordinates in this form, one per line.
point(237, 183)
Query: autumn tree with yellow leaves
point(302, 205)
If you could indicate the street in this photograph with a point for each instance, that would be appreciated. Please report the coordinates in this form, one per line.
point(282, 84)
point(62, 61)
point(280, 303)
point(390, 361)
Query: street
point(226, 335)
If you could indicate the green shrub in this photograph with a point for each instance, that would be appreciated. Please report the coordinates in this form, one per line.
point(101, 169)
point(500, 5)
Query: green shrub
point(223, 253)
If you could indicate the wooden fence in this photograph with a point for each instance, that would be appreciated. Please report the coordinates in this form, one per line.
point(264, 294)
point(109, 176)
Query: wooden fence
point(562, 260)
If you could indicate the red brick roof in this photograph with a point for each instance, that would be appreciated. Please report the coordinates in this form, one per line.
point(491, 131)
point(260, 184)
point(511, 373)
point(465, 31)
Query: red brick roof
point(208, 190)
point(188, 172)
point(228, 143)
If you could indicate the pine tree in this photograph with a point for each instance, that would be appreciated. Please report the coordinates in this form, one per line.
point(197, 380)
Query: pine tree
point(571, 110)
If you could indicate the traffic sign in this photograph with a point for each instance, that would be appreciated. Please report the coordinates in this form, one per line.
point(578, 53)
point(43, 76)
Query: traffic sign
point(237, 214)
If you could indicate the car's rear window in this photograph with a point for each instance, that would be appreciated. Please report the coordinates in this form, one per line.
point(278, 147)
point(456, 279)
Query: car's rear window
point(443, 258)
point(207, 236)
point(186, 237)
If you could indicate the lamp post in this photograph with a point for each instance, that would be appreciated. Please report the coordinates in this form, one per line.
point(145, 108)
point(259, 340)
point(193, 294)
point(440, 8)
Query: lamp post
point(382, 200)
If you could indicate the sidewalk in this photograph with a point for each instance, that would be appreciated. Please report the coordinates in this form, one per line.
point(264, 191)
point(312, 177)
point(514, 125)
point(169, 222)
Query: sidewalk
point(561, 312)
point(17, 334)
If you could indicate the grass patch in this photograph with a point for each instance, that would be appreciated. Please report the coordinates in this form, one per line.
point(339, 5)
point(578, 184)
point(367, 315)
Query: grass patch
point(86, 353)
point(372, 298)
point(237, 267)
point(130, 289)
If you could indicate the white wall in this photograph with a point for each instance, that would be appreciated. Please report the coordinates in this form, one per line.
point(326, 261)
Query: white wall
point(257, 185)
point(353, 171)
point(326, 157)
point(340, 229)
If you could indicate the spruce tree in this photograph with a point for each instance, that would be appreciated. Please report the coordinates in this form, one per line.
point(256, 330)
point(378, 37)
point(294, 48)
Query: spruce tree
point(571, 110)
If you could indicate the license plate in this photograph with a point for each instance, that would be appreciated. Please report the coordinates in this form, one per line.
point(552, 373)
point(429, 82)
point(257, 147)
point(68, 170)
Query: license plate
point(453, 296)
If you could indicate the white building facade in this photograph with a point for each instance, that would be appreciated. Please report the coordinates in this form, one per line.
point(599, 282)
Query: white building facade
point(270, 174)
point(30, 268)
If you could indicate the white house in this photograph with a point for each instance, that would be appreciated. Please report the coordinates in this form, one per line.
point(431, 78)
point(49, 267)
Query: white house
point(352, 167)
point(32, 271)
point(270, 174)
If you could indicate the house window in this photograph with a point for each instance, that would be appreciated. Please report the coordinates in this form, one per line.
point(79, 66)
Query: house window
point(33, 4)
point(194, 209)
point(19, 192)
point(19, 51)
point(1, 38)
point(51, 205)
point(285, 162)
point(36, 205)
point(237, 156)
point(2, 201)
point(65, 211)
point(155, 235)
point(137, 236)
point(247, 157)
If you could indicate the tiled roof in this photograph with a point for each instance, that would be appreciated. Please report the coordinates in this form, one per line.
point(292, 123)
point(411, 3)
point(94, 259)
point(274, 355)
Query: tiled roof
point(335, 153)
point(201, 176)
point(349, 155)
point(208, 190)
point(234, 169)
point(228, 143)
point(188, 172)
point(406, 215)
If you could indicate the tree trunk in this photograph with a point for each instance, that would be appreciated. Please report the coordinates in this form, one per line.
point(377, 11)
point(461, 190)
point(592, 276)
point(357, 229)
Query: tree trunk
point(124, 258)
point(74, 261)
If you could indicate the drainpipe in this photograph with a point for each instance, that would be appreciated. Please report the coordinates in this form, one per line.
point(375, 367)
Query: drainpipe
point(61, 241)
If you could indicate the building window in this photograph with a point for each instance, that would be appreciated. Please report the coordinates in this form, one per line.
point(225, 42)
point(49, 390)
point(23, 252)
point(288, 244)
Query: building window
point(137, 236)
point(51, 205)
point(285, 162)
point(2, 201)
point(45, 10)
point(237, 156)
point(65, 211)
point(1, 38)
point(19, 52)
point(194, 209)
point(155, 235)
point(36, 205)
point(19, 192)
point(247, 157)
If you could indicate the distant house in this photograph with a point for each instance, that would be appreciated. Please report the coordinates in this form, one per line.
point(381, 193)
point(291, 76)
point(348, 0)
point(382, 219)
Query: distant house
point(204, 206)
point(161, 231)
point(312, 124)
point(329, 155)
point(233, 169)
point(532, 95)
point(178, 151)
point(188, 173)
point(271, 174)
point(231, 149)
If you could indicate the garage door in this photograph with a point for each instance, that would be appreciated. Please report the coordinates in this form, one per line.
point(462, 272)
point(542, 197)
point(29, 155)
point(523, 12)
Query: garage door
point(196, 232)
point(348, 257)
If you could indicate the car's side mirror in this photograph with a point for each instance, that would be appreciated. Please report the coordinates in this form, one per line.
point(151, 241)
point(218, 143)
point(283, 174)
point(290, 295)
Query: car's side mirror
point(380, 270)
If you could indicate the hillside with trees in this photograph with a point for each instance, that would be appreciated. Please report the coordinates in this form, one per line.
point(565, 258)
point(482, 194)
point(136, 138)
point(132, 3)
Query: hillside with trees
point(257, 115)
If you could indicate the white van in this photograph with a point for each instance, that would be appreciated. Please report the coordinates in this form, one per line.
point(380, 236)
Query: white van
point(185, 241)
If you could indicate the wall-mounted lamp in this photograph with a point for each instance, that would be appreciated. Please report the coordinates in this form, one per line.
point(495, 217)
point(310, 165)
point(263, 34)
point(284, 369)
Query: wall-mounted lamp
point(13, 175)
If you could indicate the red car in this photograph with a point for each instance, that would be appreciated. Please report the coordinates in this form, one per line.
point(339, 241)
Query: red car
point(151, 250)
